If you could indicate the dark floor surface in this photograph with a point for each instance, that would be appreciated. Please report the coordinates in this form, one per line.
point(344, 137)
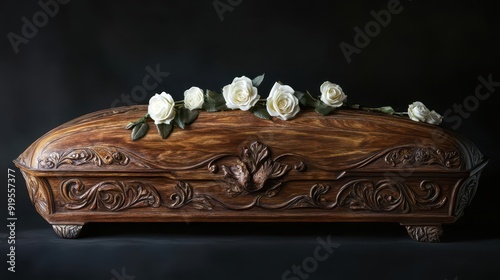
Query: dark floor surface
point(136, 251)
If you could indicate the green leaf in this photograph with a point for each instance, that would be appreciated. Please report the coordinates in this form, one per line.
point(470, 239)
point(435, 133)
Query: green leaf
point(214, 101)
point(139, 131)
point(178, 120)
point(185, 117)
point(354, 106)
point(306, 99)
point(261, 111)
point(164, 129)
point(258, 80)
point(209, 106)
point(387, 110)
point(299, 95)
point(190, 116)
point(211, 95)
point(131, 125)
point(323, 109)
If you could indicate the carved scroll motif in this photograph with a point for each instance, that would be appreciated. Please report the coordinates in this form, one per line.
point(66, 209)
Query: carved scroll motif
point(108, 195)
point(184, 195)
point(466, 194)
point(388, 195)
point(39, 194)
point(383, 196)
point(423, 156)
point(476, 155)
point(97, 156)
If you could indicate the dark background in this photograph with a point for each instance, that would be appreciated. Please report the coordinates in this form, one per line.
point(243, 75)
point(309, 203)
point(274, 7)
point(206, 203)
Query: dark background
point(91, 52)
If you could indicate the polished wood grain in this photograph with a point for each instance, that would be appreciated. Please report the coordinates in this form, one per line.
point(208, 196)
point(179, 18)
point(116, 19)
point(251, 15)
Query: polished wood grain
point(351, 165)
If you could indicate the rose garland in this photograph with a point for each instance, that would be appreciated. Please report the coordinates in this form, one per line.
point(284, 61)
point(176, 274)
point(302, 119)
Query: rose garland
point(283, 102)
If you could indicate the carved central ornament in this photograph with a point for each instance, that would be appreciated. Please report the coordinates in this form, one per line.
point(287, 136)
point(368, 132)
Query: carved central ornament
point(255, 171)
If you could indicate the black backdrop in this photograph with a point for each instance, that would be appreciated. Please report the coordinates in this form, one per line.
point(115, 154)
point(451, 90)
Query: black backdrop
point(65, 60)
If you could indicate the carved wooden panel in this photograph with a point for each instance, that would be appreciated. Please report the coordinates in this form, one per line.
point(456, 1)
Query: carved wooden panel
point(96, 155)
point(466, 193)
point(108, 195)
point(388, 195)
point(39, 193)
point(423, 156)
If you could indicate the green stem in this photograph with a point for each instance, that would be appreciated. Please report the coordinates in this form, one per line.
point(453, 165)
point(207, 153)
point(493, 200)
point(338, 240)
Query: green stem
point(143, 119)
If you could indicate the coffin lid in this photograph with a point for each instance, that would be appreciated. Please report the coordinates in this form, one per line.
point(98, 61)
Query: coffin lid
point(345, 140)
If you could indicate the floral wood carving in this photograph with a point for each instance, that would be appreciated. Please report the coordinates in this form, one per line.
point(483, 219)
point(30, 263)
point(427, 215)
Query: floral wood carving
point(97, 156)
point(39, 194)
point(466, 194)
point(425, 233)
point(389, 195)
point(108, 195)
point(476, 155)
point(423, 156)
point(67, 231)
point(254, 171)
point(184, 195)
point(385, 195)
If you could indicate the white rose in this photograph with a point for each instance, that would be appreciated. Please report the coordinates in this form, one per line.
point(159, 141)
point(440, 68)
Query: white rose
point(161, 108)
point(240, 94)
point(434, 118)
point(332, 94)
point(417, 111)
point(193, 98)
point(282, 103)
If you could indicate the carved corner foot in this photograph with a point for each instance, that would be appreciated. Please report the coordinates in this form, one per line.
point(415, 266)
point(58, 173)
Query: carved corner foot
point(67, 231)
point(425, 233)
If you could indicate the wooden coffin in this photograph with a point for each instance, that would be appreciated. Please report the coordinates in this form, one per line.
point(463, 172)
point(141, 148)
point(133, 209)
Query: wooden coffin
point(349, 166)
